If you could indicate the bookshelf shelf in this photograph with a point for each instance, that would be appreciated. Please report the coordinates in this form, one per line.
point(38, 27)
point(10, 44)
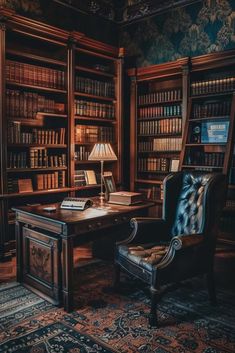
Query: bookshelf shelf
point(160, 117)
point(93, 96)
point(34, 87)
point(212, 95)
point(160, 152)
point(205, 144)
point(160, 135)
point(86, 187)
point(223, 117)
point(23, 145)
point(93, 71)
point(148, 181)
point(53, 115)
point(47, 60)
point(160, 103)
point(34, 170)
point(153, 172)
point(86, 162)
point(193, 166)
point(28, 122)
point(95, 119)
point(111, 56)
point(36, 192)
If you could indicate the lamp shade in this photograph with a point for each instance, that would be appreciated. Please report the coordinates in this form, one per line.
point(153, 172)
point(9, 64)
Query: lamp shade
point(102, 152)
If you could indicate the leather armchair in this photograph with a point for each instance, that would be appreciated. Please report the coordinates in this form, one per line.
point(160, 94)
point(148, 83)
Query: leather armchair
point(181, 245)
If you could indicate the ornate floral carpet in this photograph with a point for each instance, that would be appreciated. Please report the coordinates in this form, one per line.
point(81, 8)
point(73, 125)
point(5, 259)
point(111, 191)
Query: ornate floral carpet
point(107, 322)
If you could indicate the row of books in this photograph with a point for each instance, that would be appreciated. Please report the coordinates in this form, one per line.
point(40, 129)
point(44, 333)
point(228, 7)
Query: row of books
point(145, 146)
point(160, 111)
point(50, 180)
point(201, 158)
point(205, 110)
point(38, 182)
point(160, 96)
point(215, 85)
point(37, 158)
point(39, 136)
point(94, 109)
point(163, 126)
point(98, 88)
point(167, 144)
point(85, 177)
point(154, 193)
point(81, 154)
point(153, 164)
point(34, 75)
point(88, 133)
point(28, 104)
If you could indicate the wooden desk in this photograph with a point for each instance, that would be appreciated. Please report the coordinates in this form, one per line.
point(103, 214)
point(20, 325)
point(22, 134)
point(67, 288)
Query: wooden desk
point(45, 243)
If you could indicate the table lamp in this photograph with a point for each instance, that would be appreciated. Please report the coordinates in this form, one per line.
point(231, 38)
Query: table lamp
point(102, 152)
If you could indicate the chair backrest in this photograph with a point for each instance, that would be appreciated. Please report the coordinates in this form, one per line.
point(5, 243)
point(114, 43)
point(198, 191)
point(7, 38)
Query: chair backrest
point(192, 201)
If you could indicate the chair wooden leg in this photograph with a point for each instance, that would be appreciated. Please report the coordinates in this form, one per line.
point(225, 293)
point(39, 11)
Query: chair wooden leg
point(153, 321)
point(211, 287)
point(116, 281)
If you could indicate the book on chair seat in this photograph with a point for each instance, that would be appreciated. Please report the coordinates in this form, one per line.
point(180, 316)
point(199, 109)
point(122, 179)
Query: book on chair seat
point(125, 197)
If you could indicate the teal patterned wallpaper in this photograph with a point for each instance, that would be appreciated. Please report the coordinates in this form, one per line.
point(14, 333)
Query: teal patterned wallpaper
point(203, 27)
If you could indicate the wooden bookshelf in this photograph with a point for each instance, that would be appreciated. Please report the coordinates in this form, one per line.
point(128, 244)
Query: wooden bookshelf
point(97, 114)
point(208, 141)
point(157, 118)
point(38, 113)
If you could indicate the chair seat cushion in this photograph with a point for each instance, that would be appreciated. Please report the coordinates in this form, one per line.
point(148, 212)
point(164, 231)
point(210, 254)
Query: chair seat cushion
point(144, 255)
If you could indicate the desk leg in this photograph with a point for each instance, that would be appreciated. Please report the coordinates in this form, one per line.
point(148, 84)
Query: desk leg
point(67, 273)
point(19, 251)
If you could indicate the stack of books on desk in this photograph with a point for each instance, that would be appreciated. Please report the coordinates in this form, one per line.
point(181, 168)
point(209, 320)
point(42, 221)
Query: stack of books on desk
point(125, 197)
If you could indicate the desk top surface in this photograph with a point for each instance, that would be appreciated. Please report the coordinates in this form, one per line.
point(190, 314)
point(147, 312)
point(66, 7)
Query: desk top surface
point(73, 216)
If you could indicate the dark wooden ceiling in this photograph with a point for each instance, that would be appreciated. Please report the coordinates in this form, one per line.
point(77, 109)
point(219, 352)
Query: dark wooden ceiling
point(124, 11)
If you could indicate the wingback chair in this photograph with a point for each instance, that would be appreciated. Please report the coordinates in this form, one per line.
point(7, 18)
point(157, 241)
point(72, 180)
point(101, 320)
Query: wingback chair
point(181, 245)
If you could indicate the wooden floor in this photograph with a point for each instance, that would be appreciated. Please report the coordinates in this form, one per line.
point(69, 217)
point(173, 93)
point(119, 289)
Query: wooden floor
point(224, 268)
point(8, 270)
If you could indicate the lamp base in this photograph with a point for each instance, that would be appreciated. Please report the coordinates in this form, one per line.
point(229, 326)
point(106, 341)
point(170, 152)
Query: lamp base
point(102, 198)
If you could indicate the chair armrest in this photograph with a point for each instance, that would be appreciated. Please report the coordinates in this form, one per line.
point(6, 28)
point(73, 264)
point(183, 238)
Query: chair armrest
point(180, 243)
point(146, 229)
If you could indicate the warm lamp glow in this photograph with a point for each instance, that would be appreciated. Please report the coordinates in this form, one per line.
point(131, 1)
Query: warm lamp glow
point(102, 152)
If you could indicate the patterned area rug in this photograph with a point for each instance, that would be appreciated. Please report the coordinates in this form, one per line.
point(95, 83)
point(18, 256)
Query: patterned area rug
point(105, 321)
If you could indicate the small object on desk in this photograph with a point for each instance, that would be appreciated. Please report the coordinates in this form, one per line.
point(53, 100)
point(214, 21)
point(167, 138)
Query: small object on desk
point(76, 203)
point(50, 209)
point(125, 197)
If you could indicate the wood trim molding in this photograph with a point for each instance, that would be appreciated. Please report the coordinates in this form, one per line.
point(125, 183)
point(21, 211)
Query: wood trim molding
point(159, 70)
point(33, 27)
point(213, 60)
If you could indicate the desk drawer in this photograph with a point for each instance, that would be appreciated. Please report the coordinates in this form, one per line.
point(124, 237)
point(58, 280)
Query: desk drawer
point(41, 258)
point(104, 222)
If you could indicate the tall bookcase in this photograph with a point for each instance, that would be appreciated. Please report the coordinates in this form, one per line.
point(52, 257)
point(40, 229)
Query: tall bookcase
point(158, 111)
point(51, 82)
point(209, 134)
point(97, 112)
